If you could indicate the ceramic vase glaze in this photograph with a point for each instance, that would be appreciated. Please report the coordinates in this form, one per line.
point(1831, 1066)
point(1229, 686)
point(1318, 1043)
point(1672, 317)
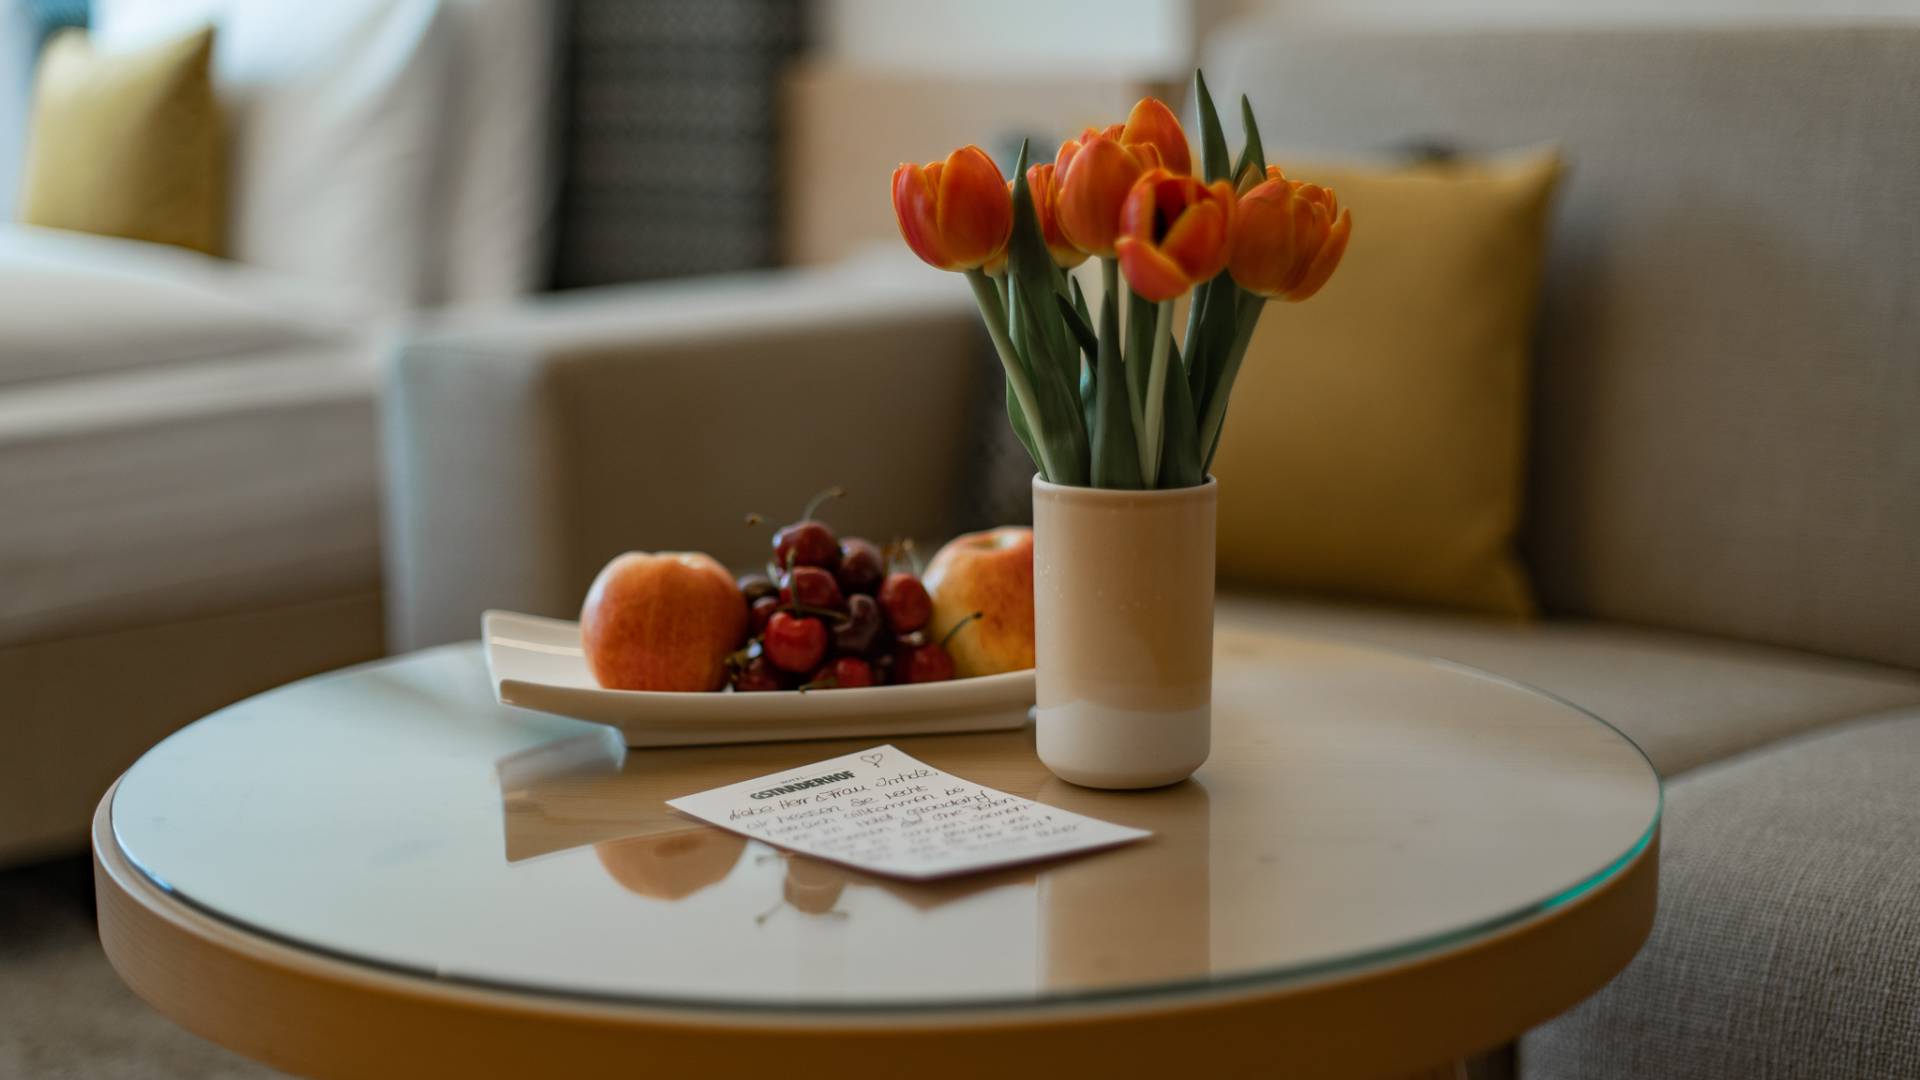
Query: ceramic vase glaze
point(1123, 632)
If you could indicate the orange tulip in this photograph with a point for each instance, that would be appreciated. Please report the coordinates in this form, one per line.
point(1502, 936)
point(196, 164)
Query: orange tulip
point(1151, 123)
point(1288, 238)
point(1043, 182)
point(1175, 233)
point(1095, 173)
point(955, 215)
point(1110, 160)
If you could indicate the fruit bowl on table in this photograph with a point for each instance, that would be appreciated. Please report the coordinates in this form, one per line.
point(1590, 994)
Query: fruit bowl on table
point(537, 663)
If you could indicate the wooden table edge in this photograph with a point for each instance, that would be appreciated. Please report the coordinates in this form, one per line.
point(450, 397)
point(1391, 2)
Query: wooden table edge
point(315, 1015)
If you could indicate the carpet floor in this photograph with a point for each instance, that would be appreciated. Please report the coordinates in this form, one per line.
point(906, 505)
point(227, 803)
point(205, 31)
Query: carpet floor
point(64, 1014)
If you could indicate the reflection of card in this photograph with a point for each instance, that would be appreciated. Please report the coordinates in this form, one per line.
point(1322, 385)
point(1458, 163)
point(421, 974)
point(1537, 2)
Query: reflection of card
point(883, 811)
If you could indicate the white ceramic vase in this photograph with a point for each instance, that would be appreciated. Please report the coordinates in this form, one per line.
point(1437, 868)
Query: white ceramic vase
point(1123, 632)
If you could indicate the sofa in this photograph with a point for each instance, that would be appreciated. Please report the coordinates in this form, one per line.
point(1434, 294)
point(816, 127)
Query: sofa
point(188, 460)
point(1723, 519)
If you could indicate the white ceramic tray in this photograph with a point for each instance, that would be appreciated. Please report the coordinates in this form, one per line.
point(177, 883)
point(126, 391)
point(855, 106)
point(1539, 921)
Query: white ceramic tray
point(535, 663)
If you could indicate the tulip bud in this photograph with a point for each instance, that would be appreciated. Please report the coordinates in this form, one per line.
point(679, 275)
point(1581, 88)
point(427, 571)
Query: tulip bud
point(1175, 233)
point(1152, 124)
point(1094, 175)
point(1288, 238)
point(956, 214)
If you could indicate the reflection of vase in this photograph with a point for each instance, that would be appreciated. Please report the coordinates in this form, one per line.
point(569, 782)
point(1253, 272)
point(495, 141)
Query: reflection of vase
point(1123, 632)
point(812, 885)
point(671, 866)
point(1138, 913)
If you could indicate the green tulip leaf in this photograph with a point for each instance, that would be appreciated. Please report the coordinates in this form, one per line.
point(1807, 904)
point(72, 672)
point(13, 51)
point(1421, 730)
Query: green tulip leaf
point(1247, 309)
point(1116, 454)
point(1082, 333)
point(1252, 154)
point(1141, 317)
point(1180, 441)
point(1080, 301)
point(1043, 338)
point(1213, 141)
point(1222, 300)
point(1018, 419)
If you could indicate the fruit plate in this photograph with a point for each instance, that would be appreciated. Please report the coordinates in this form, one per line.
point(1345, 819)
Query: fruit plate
point(536, 663)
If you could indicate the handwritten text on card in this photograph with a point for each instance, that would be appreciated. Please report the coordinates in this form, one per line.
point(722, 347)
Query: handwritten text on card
point(883, 811)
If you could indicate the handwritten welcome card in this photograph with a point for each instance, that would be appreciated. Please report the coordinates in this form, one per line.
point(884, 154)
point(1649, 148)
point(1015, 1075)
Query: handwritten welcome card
point(885, 812)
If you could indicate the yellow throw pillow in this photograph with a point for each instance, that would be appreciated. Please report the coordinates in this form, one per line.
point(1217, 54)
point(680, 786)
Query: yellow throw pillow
point(128, 144)
point(1375, 442)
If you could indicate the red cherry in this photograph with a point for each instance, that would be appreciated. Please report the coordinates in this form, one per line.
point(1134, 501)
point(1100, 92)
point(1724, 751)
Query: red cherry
point(926, 662)
point(757, 675)
point(844, 673)
point(810, 586)
point(859, 632)
point(755, 586)
point(806, 543)
point(795, 642)
point(758, 615)
point(861, 565)
point(906, 603)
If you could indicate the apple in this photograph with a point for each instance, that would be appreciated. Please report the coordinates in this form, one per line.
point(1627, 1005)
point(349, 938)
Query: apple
point(673, 865)
point(992, 573)
point(663, 621)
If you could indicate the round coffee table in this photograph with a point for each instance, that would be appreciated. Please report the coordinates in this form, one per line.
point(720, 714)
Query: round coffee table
point(1389, 862)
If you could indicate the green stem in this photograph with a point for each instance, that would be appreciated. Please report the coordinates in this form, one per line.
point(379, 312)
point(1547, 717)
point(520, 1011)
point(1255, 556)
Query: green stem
point(1110, 278)
point(1189, 345)
point(987, 296)
point(1156, 395)
point(1248, 314)
point(1060, 286)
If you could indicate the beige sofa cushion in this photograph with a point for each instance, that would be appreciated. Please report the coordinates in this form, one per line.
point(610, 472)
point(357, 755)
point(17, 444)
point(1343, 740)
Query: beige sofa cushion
point(1686, 700)
point(1785, 941)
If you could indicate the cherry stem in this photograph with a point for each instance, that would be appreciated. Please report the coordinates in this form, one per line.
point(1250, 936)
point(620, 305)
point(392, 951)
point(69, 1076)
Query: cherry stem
point(958, 626)
point(833, 492)
point(828, 683)
point(818, 613)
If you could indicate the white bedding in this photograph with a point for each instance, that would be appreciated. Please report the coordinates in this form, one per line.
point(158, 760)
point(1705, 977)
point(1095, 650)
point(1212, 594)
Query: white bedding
point(194, 489)
point(75, 304)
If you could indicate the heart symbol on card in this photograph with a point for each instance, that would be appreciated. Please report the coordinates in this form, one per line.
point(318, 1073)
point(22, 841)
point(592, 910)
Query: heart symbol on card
point(873, 759)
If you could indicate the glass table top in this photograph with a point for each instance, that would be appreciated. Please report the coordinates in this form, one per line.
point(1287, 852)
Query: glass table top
point(1360, 806)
